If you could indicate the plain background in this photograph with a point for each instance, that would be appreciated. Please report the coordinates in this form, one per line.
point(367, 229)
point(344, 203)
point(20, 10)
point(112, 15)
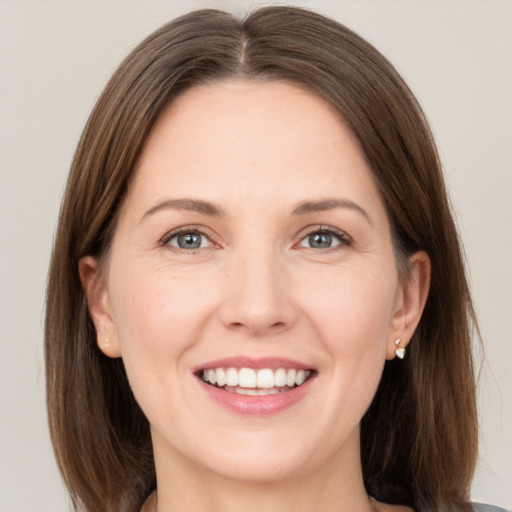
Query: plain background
point(55, 57)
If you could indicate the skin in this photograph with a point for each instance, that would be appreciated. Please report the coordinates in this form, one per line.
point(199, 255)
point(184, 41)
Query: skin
point(255, 288)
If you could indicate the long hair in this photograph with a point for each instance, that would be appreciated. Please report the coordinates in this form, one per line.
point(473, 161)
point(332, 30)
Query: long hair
point(419, 436)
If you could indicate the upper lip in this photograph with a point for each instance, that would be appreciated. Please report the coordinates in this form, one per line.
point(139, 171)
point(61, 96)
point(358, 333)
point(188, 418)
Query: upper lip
point(255, 363)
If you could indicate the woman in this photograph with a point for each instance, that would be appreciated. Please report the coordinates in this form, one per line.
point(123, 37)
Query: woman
point(256, 296)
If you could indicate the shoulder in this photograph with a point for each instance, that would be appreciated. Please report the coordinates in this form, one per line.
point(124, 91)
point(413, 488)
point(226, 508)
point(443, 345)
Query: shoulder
point(477, 507)
point(480, 507)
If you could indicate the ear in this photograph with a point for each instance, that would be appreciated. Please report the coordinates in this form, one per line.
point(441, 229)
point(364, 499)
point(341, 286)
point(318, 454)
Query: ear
point(95, 288)
point(409, 303)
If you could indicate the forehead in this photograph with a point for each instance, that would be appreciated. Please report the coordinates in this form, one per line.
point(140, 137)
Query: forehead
point(251, 139)
point(231, 114)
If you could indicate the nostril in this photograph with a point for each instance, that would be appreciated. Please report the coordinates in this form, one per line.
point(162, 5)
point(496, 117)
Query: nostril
point(272, 327)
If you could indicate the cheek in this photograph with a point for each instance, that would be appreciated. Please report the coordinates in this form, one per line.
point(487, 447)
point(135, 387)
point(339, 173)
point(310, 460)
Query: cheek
point(352, 316)
point(353, 307)
point(158, 317)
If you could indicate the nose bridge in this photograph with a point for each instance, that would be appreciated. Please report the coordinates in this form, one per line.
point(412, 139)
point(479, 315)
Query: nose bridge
point(258, 299)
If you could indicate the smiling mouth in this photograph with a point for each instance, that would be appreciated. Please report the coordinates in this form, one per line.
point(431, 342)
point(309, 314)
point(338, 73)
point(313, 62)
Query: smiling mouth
point(248, 381)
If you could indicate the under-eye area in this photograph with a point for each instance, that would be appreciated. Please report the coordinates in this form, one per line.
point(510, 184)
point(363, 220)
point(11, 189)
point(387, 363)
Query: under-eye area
point(248, 381)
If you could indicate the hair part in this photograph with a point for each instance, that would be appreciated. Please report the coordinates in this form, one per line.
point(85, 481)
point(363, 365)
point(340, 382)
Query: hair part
point(419, 436)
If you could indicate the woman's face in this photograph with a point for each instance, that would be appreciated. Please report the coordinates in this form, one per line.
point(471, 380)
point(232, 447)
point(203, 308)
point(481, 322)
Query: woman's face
point(253, 251)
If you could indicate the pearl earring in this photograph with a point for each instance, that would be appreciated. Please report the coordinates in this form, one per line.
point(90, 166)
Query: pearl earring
point(104, 345)
point(400, 351)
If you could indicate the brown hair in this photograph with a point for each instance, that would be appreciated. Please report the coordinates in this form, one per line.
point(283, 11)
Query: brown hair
point(419, 437)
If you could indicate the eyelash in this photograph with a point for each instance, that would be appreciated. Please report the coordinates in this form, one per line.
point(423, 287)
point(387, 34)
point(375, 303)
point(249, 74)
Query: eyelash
point(343, 238)
point(186, 230)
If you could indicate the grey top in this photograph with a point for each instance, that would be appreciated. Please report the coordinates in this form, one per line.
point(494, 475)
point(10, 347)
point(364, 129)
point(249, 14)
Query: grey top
point(480, 507)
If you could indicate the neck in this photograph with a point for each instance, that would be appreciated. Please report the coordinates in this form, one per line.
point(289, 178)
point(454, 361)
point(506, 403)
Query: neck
point(336, 485)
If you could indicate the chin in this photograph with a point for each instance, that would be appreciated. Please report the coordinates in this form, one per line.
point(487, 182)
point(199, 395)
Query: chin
point(263, 457)
point(259, 470)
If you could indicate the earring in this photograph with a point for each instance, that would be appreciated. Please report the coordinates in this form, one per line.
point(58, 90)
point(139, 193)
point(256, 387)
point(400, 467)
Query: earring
point(104, 345)
point(400, 351)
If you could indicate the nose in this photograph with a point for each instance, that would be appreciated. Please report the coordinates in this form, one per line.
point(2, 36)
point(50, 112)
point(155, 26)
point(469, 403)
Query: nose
point(258, 300)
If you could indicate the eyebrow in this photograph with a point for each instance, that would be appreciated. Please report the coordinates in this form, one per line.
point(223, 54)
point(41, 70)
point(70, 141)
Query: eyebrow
point(213, 210)
point(322, 205)
point(191, 205)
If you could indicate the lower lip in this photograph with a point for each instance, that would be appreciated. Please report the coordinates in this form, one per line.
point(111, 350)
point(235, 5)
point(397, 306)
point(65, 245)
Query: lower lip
point(259, 405)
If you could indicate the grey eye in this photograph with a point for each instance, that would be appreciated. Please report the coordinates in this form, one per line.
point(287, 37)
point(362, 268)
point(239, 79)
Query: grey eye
point(320, 240)
point(190, 240)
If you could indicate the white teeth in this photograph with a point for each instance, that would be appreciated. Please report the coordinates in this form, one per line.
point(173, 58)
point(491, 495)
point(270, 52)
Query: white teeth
point(290, 378)
point(232, 377)
point(265, 381)
point(255, 391)
point(280, 377)
point(212, 376)
point(271, 391)
point(246, 391)
point(300, 378)
point(247, 378)
point(221, 377)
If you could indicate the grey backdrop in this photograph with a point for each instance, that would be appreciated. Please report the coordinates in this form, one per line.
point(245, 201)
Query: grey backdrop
point(55, 57)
